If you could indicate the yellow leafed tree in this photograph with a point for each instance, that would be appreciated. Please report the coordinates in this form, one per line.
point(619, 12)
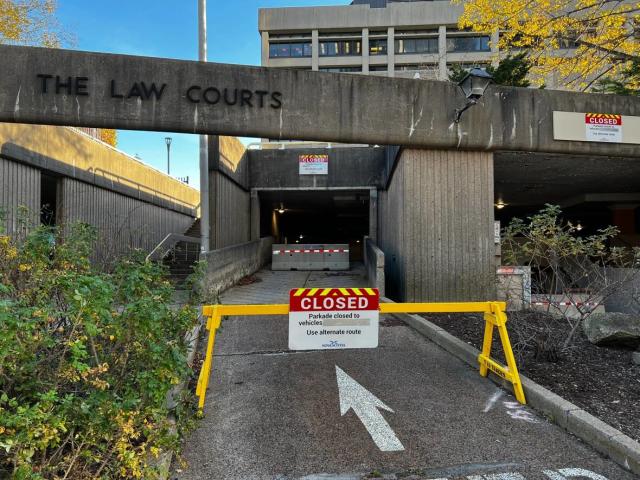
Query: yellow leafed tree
point(31, 22)
point(577, 41)
point(110, 136)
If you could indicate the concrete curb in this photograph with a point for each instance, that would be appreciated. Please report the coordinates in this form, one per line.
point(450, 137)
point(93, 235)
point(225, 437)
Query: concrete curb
point(164, 460)
point(602, 437)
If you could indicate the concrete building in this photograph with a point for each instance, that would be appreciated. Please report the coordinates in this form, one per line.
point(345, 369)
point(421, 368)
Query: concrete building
point(59, 176)
point(402, 38)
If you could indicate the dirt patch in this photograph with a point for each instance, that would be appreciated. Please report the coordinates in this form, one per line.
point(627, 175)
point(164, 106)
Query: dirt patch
point(603, 381)
point(248, 280)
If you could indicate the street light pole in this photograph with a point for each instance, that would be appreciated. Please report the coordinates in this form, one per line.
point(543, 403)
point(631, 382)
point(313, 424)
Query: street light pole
point(168, 140)
point(204, 141)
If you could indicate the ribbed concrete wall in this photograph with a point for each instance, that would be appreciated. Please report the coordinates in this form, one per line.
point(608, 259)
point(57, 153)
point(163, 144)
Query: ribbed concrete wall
point(19, 187)
point(436, 226)
point(231, 211)
point(123, 222)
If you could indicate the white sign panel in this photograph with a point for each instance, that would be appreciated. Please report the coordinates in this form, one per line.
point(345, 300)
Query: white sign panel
point(333, 318)
point(313, 164)
point(596, 127)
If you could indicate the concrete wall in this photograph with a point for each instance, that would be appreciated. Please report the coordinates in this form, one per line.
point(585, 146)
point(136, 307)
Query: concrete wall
point(123, 223)
point(374, 265)
point(230, 212)
point(68, 152)
point(348, 167)
point(19, 187)
point(228, 265)
point(436, 227)
point(305, 105)
point(229, 194)
point(627, 299)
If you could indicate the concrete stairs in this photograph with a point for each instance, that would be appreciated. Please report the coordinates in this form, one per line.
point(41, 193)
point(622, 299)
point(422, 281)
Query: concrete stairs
point(183, 256)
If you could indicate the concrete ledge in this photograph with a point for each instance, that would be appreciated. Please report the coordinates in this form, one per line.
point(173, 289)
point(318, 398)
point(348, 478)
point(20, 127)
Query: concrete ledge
point(228, 265)
point(602, 437)
point(374, 265)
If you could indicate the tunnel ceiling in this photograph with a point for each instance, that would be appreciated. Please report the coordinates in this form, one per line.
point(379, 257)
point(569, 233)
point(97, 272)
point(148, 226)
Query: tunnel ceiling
point(536, 179)
point(345, 200)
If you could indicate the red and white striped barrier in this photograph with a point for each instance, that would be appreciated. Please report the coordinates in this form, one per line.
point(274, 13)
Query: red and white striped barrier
point(329, 250)
point(567, 304)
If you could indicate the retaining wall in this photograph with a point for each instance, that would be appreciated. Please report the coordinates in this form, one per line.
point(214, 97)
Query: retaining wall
point(227, 265)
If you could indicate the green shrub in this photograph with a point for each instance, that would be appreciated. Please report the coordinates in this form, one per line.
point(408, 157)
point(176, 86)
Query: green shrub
point(87, 360)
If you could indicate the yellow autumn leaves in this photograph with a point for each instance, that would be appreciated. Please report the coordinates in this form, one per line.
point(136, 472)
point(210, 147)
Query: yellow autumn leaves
point(575, 42)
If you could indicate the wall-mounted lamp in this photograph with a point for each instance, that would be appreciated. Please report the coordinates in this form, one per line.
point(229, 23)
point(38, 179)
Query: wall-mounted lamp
point(500, 204)
point(579, 226)
point(473, 85)
point(281, 209)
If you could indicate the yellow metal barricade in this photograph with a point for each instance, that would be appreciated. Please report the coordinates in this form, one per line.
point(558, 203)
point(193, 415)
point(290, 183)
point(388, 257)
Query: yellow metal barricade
point(494, 315)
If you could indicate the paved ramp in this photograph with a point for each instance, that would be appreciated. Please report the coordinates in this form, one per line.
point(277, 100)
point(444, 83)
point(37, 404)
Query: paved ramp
point(275, 414)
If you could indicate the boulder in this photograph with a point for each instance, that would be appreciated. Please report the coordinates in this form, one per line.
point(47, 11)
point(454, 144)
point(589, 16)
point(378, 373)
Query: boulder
point(613, 329)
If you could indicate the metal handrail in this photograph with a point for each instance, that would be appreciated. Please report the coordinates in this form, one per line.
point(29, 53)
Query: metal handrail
point(167, 244)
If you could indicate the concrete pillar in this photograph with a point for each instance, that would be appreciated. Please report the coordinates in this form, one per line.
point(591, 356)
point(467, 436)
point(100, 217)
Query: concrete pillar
point(265, 49)
point(624, 217)
point(315, 51)
point(391, 51)
point(436, 227)
point(373, 215)
point(365, 50)
point(495, 38)
point(443, 74)
point(255, 215)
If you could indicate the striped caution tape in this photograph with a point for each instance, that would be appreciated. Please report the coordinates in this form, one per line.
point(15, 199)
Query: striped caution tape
point(567, 304)
point(331, 292)
point(314, 250)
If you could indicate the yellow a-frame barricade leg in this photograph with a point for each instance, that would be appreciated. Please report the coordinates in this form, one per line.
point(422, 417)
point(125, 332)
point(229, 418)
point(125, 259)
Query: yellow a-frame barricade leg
point(498, 318)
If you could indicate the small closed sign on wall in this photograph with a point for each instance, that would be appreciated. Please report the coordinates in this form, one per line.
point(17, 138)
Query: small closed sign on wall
point(313, 164)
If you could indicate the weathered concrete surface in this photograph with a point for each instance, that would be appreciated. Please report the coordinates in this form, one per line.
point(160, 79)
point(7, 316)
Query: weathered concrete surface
point(374, 265)
point(296, 104)
point(273, 414)
point(348, 167)
point(436, 227)
point(227, 265)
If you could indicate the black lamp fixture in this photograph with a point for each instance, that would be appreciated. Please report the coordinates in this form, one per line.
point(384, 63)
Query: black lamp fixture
point(473, 85)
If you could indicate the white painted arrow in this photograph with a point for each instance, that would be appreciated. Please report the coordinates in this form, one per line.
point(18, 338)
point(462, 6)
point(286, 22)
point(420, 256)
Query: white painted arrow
point(365, 405)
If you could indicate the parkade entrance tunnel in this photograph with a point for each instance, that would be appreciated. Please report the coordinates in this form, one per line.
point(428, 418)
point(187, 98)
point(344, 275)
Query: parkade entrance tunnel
point(316, 217)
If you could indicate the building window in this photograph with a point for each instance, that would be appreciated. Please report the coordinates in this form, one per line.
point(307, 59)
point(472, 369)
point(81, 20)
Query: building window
point(378, 46)
point(286, 50)
point(341, 69)
point(417, 45)
point(378, 68)
point(340, 48)
point(468, 44)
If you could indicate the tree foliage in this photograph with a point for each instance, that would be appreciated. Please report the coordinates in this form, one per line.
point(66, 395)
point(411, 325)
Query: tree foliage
point(511, 71)
point(109, 136)
point(31, 22)
point(579, 41)
point(627, 83)
point(567, 266)
point(87, 360)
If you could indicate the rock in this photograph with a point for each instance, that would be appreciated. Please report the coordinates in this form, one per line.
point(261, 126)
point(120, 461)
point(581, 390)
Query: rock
point(635, 357)
point(613, 329)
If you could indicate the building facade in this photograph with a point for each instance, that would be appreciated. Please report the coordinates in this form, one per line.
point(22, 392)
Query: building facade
point(415, 39)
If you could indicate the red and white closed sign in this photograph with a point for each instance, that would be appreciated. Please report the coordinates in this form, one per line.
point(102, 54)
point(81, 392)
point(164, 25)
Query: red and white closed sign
point(313, 164)
point(603, 127)
point(333, 318)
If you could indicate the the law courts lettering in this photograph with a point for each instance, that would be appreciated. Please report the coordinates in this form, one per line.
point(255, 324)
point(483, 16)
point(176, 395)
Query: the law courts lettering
point(242, 97)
